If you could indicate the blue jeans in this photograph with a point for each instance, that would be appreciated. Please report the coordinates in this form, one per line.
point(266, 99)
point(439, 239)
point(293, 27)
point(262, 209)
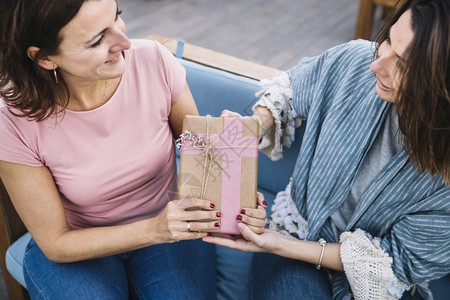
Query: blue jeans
point(276, 277)
point(182, 270)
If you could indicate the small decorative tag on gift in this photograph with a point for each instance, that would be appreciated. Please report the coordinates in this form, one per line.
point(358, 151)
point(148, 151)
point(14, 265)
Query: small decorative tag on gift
point(219, 162)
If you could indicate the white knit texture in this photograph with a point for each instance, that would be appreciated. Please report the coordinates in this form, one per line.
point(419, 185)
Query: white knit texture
point(285, 217)
point(276, 95)
point(368, 268)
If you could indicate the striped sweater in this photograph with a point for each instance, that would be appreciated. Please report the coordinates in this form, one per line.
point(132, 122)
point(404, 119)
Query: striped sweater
point(407, 210)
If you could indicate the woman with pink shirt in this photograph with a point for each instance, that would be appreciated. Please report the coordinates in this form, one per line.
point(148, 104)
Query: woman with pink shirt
point(87, 123)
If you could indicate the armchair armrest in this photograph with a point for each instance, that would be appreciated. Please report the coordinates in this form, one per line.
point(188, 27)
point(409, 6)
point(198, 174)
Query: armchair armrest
point(11, 228)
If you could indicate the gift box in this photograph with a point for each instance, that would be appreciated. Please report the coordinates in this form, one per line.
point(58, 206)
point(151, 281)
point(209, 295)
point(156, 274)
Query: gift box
point(219, 162)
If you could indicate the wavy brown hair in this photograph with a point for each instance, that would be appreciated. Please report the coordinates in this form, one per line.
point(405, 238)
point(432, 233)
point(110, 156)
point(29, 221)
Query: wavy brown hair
point(422, 101)
point(24, 85)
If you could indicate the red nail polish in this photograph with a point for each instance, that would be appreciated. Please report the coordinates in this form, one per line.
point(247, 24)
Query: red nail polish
point(218, 214)
point(265, 203)
point(217, 224)
point(239, 217)
point(212, 205)
point(243, 211)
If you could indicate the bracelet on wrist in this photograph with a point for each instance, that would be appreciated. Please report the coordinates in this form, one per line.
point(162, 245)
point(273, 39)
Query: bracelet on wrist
point(322, 243)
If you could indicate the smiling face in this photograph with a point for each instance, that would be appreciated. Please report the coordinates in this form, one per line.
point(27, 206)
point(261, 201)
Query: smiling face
point(390, 53)
point(92, 44)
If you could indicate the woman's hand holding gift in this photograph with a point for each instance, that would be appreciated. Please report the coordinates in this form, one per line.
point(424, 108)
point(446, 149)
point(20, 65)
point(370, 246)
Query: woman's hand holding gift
point(254, 218)
point(261, 114)
point(250, 224)
point(187, 219)
point(254, 237)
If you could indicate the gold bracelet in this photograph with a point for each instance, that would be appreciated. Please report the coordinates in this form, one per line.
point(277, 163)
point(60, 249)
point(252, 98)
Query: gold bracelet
point(322, 243)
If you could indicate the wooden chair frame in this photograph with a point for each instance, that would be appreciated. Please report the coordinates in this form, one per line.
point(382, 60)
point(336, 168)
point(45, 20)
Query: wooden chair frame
point(11, 228)
point(218, 60)
point(366, 16)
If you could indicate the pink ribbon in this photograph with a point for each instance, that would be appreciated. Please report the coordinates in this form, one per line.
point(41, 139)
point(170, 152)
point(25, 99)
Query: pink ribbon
point(232, 146)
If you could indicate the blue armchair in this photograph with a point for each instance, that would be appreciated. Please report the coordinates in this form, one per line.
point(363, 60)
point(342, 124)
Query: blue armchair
point(217, 81)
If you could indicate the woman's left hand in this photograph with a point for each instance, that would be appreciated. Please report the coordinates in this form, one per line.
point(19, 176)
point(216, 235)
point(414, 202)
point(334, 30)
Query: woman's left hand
point(254, 218)
point(251, 219)
point(254, 237)
point(269, 241)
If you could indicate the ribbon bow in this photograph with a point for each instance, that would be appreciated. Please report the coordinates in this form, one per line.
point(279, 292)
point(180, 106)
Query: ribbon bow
point(207, 145)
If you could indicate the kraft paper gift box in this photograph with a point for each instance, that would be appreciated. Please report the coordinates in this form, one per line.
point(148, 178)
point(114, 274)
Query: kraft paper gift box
point(219, 162)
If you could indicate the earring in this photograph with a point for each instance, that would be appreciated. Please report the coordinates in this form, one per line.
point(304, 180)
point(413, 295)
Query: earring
point(55, 74)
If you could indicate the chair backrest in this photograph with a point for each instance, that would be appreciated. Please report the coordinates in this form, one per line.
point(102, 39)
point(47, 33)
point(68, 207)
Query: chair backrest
point(215, 90)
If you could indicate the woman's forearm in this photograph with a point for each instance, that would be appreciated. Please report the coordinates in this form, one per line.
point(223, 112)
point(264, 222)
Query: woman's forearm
point(45, 219)
point(310, 252)
point(169, 226)
point(89, 243)
point(265, 119)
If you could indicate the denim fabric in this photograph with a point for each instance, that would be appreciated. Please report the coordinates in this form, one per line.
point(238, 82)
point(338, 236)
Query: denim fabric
point(183, 270)
point(276, 277)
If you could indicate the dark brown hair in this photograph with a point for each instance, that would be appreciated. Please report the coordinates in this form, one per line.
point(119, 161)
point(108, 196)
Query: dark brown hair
point(24, 85)
point(422, 101)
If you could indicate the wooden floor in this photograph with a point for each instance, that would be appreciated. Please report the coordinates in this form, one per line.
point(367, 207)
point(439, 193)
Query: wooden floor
point(272, 32)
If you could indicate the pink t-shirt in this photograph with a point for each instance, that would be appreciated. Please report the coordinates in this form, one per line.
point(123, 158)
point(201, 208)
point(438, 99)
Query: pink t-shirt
point(114, 164)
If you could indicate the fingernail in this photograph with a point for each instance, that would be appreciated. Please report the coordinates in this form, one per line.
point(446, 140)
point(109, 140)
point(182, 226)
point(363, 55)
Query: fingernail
point(243, 211)
point(239, 217)
point(212, 205)
point(218, 214)
point(265, 203)
point(217, 224)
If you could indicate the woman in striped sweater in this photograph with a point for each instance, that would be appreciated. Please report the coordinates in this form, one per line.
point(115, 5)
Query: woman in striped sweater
point(369, 199)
